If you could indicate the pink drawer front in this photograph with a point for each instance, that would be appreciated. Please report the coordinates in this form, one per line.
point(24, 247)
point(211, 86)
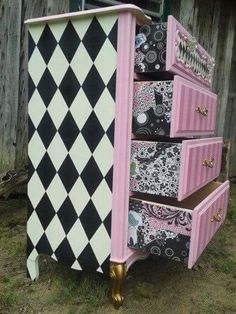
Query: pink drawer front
point(177, 230)
point(200, 164)
point(193, 109)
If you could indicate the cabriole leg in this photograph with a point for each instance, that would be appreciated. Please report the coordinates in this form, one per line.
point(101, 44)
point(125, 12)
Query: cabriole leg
point(117, 274)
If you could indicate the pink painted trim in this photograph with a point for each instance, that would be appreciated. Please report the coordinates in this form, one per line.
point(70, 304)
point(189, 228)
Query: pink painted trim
point(177, 109)
point(136, 11)
point(203, 206)
point(185, 171)
point(133, 256)
point(171, 62)
point(122, 144)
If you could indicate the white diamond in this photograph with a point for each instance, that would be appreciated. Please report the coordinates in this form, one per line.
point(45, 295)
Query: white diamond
point(35, 190)
point(103, 155)
point(36, 66)
point(99, 270)
point(102, 199)
point(56, 192)
point(55, 233)
point(36, 108)
point(34, 228)
point(57, 29)
point(101, 244)
point(80, 153)
point(58, 65)
point(76, 266)
point(81, 63)
point(105, 61)
point(36, 31)
point(81, 26)
point(77, 238)
point(57, 151)
point(36, 149)
point(54, 257)
point(81, 109)
point(106, 105)
point(57, 109)
point(79, 196)
point(107, 22)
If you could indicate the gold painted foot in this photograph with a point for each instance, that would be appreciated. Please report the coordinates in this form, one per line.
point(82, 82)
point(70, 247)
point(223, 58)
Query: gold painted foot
point(117, 274)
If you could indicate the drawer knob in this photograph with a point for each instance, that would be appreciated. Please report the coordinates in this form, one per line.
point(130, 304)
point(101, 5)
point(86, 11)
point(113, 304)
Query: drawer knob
point(208, 162)
point(202, 110)
point(217, 217)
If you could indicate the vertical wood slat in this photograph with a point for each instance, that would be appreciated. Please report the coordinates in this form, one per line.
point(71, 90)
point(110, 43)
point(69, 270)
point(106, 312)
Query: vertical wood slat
point(10, 14)
point(30, 9)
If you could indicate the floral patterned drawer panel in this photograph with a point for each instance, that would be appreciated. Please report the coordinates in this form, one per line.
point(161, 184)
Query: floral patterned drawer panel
point(174, 169)
point(177, 230)
point(169, 47)
point(175, 108)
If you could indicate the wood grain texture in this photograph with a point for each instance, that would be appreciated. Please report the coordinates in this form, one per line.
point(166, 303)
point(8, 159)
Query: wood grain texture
point(9, 77)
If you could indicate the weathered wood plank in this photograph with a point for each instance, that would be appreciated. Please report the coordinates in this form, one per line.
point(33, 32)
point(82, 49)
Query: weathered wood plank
point(11, 179)
point(57, 7)
point(10, 50)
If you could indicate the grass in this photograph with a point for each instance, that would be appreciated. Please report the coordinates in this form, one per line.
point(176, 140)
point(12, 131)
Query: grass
point(151, 286)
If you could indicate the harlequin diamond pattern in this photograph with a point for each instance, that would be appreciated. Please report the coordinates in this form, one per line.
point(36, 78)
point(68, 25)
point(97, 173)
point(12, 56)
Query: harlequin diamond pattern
point(72, 68)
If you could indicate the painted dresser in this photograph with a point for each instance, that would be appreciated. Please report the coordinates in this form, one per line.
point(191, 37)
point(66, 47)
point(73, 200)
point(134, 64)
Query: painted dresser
point(82, 162)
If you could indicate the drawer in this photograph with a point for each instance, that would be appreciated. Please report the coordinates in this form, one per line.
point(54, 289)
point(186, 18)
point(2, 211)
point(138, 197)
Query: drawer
point(169, 47)
point(174, 169)
point(174, 108)
point(177, 230)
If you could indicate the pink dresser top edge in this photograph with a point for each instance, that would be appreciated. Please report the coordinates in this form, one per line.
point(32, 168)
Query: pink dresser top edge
point(136, 11)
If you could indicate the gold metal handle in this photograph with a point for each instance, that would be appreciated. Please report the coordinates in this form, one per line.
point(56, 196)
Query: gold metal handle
point(217, 217)
point(208, 162)
point(202, 110)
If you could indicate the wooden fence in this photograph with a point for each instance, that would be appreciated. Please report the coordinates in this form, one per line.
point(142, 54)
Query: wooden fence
point(212, 22)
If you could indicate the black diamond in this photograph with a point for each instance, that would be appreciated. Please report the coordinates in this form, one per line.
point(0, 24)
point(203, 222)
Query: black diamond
point(31, 87)
point(30, 246)
point(113, 35)
point(110, 132)
point(30, 168)
point(69, 41)
point(67, 215)
point(111, 86)
point(68, 130)
point(47, 44)
point(92, 131)
point(106, 265)
point(94, 38)
point(69, 86)
point(46, 129)
point(30, 208)
point(90, 219)
point(31, 129)
point(31, 45)
point(45, 211)
point(107, 223)
point(91, 176)
point(46, 87)
point(64, 253)
point(68, 173)
point(87, 259)
point(109, 178)
point(46, 170)
point(93, 86)
point(43, 246)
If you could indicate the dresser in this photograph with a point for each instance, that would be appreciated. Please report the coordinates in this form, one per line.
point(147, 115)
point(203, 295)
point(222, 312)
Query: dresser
point(121, 164)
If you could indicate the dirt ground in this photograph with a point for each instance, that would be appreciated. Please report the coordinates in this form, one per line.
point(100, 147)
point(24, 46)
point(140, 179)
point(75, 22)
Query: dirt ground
point(151, 286)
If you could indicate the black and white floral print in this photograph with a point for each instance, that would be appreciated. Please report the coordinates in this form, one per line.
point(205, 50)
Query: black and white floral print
point(161, 242)
point(150, 45)
point(155, 168)
point(152, 107)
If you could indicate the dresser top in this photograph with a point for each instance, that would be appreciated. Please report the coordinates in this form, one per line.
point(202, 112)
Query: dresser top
point(136, 11)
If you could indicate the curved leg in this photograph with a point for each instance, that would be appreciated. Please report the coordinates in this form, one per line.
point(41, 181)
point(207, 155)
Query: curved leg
point(33, 265)
point(117, 274)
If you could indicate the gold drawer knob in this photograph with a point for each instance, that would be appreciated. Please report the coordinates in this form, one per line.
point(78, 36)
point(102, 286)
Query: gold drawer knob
point(217, 217)
point(208, 162)
point(202, 110)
